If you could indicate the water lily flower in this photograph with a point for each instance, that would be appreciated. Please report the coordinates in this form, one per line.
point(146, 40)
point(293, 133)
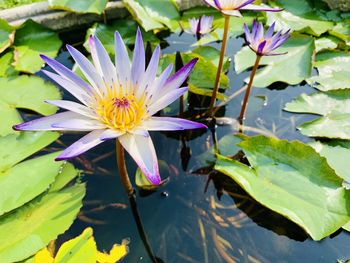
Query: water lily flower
point(200, 26)
point(232, 7)
point(264, 44)
point(118, 101)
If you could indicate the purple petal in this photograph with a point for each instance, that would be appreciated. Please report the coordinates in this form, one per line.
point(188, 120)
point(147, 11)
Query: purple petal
point(87, 68)
point(261, 48)
point(206, 23)
point(102, 59)
point(122, 60)
point(170, 124)
point(66, 73)
point(159, 83)
point(138, 60)
point(73, 106)
point(244, 4)
point(68, 85)
point(166, 100)
point(261, 8)
point(110, 134)
point(211, 3)
point(142, 151)
point(194, 23)
point(150, 73)
point(176, 80)
point(84, 144)
point(59, 122)
point(217, 3)
point(269, 32)
point(248, 37)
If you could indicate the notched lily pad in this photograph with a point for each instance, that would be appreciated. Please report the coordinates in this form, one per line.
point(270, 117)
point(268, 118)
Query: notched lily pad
point(7, 35)
point(79, 6)
point(292, 179)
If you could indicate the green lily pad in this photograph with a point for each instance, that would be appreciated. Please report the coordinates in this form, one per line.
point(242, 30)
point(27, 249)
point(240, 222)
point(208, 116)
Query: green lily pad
point(333, 71)
point(126, 28)
point(80, 249)
point(292, 179)
point(321, 103)
point(31, 227)
point(342, 31)
point(6, 68)
point(300, 49)
point(325, 43)
point(335, 125)
point(18, 92)
point(300, 16)
point(337, 157)
point(79, 6)
point(154, 14)
point(33, 39)
point(7, 35)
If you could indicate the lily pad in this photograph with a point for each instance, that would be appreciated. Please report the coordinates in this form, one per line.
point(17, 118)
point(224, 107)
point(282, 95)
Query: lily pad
point(299, 50)
point(33, 39)
point(342, 31)
point(337, 157)
point(335, 125)
point(79, 6)
point(325, 43)
point(333, 71)
point(125, 27)
point(292, 179)
point(80, 249)
point(6, 68)
point(31, 227)
point(154, 14)
point(17, 93)
point(7, 35)
point(321, 103)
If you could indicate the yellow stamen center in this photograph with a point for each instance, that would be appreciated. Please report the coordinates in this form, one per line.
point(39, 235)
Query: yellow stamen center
point(122, 113)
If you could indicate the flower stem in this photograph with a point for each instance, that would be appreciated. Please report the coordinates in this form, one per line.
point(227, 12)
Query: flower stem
point(249, 87)
point(221, 62)
point(122, 169)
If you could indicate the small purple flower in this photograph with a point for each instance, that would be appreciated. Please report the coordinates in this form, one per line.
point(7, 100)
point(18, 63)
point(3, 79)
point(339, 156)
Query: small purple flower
point(261, 44)
point(232, 7)
point(117, 102)
point(200, 26)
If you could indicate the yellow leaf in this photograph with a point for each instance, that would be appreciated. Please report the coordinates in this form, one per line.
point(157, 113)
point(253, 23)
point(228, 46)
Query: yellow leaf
point(117, 253)
point(43, 256)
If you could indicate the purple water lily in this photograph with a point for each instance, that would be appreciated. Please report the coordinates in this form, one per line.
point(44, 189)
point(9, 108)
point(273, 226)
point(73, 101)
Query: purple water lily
point(200, 26)
point(264, 44)
point(232, 7)
point(117, 102)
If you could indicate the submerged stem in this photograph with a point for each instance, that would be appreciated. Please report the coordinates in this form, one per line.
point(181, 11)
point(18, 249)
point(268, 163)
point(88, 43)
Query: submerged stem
point(246, 97)
point(122, 169)
point(221, 62)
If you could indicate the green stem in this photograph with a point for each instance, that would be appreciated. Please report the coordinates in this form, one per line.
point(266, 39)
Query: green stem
point(123, 173)
point(221, 62)
point(246, 97)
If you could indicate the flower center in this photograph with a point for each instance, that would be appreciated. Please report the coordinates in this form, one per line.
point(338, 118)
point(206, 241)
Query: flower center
point(122, 113)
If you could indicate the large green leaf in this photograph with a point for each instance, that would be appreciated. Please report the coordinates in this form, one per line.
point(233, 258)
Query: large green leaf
point(25, 92)
point(7, 34)
point(299, 56)
point(31, 227)
point(33, 39)
point(335, 125)
point(127, 29)
point(299, 16)
point(79, 6)
point(333, 71)
point(337, 157)
point(342, 31)
point(24, 145)
point(292, 179)
point(154, 14)
point(321, 103)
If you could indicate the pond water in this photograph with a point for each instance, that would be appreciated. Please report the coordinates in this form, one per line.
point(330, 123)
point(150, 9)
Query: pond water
point(183, 222)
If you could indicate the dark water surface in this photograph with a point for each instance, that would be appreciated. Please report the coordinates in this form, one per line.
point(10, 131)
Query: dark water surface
point(183, 222)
